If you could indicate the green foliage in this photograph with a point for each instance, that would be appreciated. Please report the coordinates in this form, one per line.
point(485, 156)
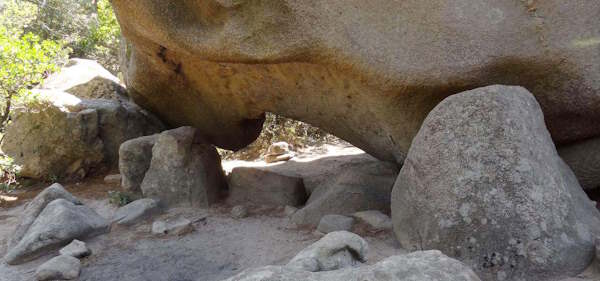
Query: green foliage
point(118, 198)
point(88, 27)
point(25, 61)
point(102, 44)
point(8, 174)
point(278, 128)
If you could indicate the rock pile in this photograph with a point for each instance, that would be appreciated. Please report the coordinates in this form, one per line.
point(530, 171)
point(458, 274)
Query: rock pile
point(51, 220)
point(176, 167)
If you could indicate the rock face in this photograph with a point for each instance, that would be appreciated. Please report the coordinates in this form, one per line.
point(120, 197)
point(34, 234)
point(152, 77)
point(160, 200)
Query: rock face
point(58, 224)
point(330, 223)
point(184, 170)
point(134, 160)
point(336, 250)
point(263, 187)
point(62, 136)
point(135, 211)
point(85, 79)
point(584, 159)
point(427, 265)
point(36, 206)
point(483, 183)
point(59, 268)
point(363, 183)
point(368, 72)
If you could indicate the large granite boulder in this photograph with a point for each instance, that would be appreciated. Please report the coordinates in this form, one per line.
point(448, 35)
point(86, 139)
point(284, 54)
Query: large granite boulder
point(62, 136)
point(366, 71)
point(184, 170)
point(57, 225)
point(484, 184)
point(427, 265)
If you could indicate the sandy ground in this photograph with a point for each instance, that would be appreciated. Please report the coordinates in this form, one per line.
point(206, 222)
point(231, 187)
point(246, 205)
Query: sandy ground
point(219, 247)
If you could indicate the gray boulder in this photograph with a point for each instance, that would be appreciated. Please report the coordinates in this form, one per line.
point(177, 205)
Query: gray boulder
point(334, 251)
point(330, 223)
point(59, 268)
point(584, 159)
point(135, 156)
point(264, 187)
point(349, 184)
point(60, 135)
point(184, 170)
point(76, 249)
point(57, 225)
point(35, 207)
point(483, 183)
point(135, 211)
point(417, 266)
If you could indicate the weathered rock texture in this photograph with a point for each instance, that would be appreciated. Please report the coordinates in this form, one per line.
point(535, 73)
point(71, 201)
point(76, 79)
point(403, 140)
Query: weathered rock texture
point(366, 71)
point(61, 135)
point(57, 225)
point(483, 183)
point(134, 160)
point(59, 268)
point(184, 170)
point(136, 211)
point(359, 183)
point(336, 250)
point(584, 159)
point(36, 206)
point(427, 265)
point(263, 187)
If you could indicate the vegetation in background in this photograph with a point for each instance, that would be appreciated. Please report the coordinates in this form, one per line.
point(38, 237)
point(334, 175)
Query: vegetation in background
point(118, 198)
point(278, 128)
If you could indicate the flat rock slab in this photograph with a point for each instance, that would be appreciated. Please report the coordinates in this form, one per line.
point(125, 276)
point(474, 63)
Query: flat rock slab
point(57, 225)
point(76, 249)
point(62, 267)
point(136, 211)
point(264, 187)
point(330, 223)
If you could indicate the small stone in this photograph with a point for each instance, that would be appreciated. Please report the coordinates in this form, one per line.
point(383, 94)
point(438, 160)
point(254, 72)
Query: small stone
point(239, 211)
point(330, 223)
point(178, 226)
point(374, 219)
point(76, 249)
point(59, 268)
point(135, 211)
point(289, 210)
point(113, 179)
